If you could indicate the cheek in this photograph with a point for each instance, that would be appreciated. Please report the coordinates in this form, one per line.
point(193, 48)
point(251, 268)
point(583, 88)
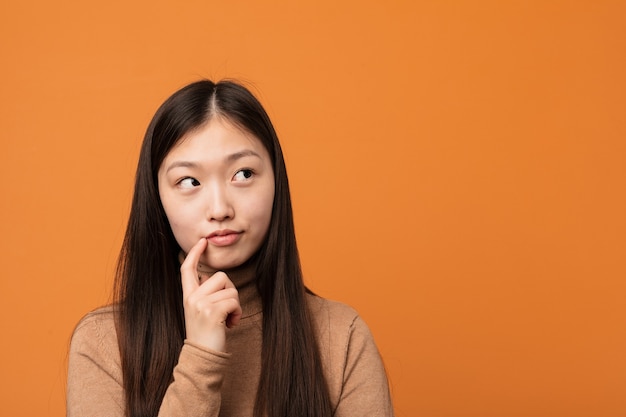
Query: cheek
point(264, 214)
point(257, 210)
point(181, 221)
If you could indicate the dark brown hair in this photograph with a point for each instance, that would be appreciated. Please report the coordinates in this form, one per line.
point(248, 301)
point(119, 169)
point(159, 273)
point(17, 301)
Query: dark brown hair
point(150, 321)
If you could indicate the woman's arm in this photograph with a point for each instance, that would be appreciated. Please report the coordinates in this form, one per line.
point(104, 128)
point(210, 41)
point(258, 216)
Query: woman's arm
point(354, 370)
point(94, 383)
point(365, 390)
point(94, 378)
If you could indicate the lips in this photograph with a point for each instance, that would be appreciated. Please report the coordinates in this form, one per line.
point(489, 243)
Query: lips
point(224, 237)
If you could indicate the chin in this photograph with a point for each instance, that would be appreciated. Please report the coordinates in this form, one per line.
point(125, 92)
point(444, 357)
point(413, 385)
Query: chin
point(224, 265)
point(224, 262)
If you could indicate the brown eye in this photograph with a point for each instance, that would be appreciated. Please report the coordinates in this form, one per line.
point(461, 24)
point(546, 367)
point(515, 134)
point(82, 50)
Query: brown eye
point(243, 174)
point(188, 182)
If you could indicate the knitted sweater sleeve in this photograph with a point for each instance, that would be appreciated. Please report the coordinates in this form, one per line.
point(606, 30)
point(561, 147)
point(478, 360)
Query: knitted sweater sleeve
point(94, 382)
point(365, 390)
point(353, 367)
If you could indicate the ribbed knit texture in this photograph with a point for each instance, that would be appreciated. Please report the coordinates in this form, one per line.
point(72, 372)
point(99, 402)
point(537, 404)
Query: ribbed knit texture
point(209, 383)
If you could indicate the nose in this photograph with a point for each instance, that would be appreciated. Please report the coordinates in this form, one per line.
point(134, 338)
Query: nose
point(219, 206)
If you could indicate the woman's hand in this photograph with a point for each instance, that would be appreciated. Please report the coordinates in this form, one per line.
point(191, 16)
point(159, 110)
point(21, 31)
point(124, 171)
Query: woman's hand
point(210, 306)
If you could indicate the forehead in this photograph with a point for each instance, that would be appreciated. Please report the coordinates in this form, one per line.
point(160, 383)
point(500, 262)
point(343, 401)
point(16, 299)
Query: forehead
point(215, 141)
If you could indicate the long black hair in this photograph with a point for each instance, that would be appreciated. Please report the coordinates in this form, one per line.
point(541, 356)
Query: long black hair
point(150, 320)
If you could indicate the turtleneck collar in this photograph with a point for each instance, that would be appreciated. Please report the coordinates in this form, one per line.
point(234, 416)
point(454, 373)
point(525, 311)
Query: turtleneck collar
point(244, 278)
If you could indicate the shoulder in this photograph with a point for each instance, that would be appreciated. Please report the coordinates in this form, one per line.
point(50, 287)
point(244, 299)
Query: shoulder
point(96, 322)
point(338, 326)
point(94, 375)
point(331, 313)
point(340, 329)
point(351, 361)
point(95, 335)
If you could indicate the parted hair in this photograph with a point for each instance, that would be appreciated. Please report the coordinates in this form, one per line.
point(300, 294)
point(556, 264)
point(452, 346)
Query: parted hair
point(150, 321)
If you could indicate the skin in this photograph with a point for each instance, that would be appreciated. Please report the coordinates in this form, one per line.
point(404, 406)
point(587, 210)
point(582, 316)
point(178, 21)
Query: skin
point(210, 306)
point(217, 188)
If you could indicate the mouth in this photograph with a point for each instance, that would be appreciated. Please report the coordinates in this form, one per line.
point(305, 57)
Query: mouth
point(224, 237)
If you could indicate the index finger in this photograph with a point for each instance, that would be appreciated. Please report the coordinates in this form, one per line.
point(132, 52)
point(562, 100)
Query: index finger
point(189, 268)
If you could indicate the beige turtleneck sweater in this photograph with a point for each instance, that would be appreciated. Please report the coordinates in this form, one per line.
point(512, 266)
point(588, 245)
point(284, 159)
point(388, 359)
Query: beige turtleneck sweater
point(210, 383)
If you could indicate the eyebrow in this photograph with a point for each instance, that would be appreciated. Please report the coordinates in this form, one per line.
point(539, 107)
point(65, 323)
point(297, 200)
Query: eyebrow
point(238, 155)
point(230, 158)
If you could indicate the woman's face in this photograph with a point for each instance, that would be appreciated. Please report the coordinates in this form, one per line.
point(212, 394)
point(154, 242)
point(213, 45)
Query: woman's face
point(217, 183)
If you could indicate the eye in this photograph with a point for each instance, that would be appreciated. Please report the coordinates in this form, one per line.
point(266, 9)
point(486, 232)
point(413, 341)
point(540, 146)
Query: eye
point(188, 182)
point(243, 175)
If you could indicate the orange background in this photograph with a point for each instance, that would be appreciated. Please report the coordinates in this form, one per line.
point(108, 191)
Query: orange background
point(457, 168)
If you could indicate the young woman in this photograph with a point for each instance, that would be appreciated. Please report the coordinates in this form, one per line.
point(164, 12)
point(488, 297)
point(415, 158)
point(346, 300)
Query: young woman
point(211, 315)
